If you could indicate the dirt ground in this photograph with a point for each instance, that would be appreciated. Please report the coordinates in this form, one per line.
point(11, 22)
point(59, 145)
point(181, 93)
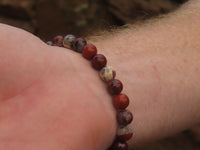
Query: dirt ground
point(47, 18)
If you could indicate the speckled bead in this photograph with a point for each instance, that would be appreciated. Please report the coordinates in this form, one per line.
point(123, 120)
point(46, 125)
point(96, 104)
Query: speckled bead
point(99, 61)
point(115, 87)
point(107, 74)
point(124, 133)
point(89, 51)
point(121, 101)
point(78, 44)
point(50, 43)
point(124, 117)
point(68, 41)
point(58, 41)
point(119, 146)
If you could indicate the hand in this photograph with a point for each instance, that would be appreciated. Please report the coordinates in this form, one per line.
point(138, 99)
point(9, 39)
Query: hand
point(50, 97)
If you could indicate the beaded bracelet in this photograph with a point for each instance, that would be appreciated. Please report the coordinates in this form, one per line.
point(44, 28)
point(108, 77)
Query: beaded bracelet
point(107, 74)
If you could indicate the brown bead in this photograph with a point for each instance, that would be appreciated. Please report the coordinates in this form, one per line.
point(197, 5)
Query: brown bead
point(79, 43)
point(115, 87)
point(89, 51)
point(119, 146)
point(58, 41)
point(99, 61)
point(124, 117)
point(124, 133)
point(68, 41)
point(121, 101)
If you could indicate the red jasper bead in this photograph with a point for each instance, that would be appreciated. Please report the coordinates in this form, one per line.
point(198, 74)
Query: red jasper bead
point(99, 61)
point(121, 101)
point(119, 146)
point(58, 41)
point(89, 51)
point(124, 117)
point(115, 87)
point(79, 43)
point(124, 133)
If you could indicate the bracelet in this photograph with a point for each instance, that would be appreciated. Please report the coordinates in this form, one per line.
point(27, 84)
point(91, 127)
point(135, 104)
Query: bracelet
point(107, 74)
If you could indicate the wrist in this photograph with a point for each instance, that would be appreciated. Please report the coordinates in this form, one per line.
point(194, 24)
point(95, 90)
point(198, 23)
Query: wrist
point(156, 71)
point(103, 124)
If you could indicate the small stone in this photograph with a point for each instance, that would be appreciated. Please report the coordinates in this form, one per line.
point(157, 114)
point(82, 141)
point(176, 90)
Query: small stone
point(68, 41)
point(78, 44)
point(50, 43)
point(99, 61)
point(115, 87)
point(124, 117)
point(119, 146)
point(58, 41)
point(121, 101)
point(107, 74)
point(89, 51)
point(124, 133)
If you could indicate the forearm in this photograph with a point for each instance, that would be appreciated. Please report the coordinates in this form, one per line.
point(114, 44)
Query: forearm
point(159, 66)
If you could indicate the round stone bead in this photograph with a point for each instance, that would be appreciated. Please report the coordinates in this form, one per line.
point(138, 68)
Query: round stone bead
point(107, 74)
point(124, 117)
point(89, 51)
point(124, 133)
point(68, 41)
point(58, 41)
point(121, 101)
point(119, 146)
point(50, 43)
point(115, 87)
point(99, 61)
point(78, 44)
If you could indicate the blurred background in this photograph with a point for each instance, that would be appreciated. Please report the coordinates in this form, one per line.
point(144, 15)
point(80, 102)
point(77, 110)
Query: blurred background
point(47, 18)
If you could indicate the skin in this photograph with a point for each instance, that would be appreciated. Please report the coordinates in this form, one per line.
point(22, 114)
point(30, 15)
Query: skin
point(51, 98)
